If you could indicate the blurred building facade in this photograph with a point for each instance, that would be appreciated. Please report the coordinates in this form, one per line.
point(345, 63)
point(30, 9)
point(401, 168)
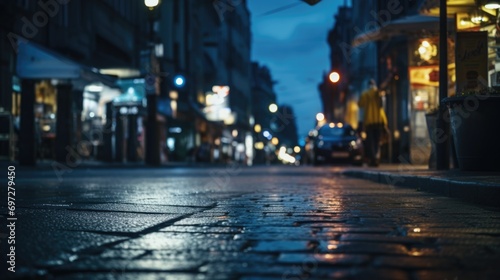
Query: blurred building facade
point(397, 44)
point(263, 95)
point(275, 124)
point(226, 41)
point(179, 31)
point(199, 54)
point(53, 51)
point(363, 48)
point(333, 95)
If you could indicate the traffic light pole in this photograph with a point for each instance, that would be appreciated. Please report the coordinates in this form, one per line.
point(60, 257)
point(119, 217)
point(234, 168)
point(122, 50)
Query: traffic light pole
point(152, 156)
point(442, 128)
point(152, 135)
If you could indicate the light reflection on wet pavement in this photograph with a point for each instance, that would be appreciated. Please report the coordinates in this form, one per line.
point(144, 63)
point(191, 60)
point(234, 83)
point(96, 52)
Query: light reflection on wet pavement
point(246, 223)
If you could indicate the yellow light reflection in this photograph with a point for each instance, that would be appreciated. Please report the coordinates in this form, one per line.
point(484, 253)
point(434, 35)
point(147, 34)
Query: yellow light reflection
point(329, 256)
point(397, 135)
point(259, 146)
point(173, 94)
point(332, 247)
point(416, 253)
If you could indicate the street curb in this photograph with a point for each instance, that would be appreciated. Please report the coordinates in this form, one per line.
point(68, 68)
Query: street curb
point(487, 194)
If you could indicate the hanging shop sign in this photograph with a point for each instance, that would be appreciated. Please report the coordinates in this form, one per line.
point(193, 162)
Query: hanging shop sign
point(424, 75)
point(471, 61)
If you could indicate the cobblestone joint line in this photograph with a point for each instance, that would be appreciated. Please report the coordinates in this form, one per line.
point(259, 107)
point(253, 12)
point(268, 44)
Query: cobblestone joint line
point(86, 252)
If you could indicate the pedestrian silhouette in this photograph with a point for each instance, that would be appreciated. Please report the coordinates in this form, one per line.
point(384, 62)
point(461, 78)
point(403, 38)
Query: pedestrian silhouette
point(374, 121)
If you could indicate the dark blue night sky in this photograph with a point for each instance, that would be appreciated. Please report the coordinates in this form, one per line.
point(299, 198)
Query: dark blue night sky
point(292, 43)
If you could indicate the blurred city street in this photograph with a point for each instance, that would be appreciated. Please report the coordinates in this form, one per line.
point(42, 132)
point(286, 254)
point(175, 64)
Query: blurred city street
point(235, 139)
point(235, 222)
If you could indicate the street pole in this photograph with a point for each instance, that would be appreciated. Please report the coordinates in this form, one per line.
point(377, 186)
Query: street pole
point(152, 135)
point(152, 156)
point(442, 128)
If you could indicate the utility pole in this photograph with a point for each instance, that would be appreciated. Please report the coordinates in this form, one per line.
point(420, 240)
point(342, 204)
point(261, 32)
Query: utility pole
point(152, 156)
point(442, 128)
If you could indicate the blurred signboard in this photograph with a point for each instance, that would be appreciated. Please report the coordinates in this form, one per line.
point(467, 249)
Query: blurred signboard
point(471, 61)
point(217, 105)
point(424, 75)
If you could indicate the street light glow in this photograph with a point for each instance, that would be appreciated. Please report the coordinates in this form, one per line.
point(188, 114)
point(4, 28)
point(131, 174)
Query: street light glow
point(179, 80)
point(267, 135)
point(257, 128)
point(320, 117)
point(151, 3)
point(334, 77)
point(273, 108)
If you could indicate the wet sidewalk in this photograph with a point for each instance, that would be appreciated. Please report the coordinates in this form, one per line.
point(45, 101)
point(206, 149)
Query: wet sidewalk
point(477, 187)
point(270, 222)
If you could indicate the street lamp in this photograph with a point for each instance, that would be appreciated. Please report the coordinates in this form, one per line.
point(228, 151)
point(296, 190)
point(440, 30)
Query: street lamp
point(320, 117)
point(273, 108)
point(334, 77)
point(312, 2)
point(179, 81)
point(151, 4)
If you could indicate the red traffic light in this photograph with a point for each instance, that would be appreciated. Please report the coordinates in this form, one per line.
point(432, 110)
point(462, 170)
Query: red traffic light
point(312, 2)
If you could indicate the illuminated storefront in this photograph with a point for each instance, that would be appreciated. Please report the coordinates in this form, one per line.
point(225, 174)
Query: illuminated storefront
point(423, 74)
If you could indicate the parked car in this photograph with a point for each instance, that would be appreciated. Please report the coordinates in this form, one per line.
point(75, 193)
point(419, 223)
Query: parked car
point(337, 143)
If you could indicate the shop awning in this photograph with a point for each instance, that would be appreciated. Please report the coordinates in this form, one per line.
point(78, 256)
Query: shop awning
point(37, 62)
point(411, 25)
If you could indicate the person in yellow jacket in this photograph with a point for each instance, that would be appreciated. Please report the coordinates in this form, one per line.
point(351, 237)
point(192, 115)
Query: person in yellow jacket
point(374, 121)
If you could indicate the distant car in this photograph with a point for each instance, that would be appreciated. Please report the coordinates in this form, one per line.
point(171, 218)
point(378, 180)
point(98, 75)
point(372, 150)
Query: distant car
point(337, 143)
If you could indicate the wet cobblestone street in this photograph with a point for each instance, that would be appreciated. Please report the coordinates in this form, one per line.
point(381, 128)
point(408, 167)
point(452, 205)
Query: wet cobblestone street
point(245, 223)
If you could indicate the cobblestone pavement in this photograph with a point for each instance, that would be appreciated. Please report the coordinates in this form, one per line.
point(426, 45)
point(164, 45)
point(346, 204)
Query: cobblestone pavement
point(243, 223)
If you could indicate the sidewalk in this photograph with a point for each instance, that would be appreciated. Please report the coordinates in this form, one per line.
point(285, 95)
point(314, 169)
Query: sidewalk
point(477, 187)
